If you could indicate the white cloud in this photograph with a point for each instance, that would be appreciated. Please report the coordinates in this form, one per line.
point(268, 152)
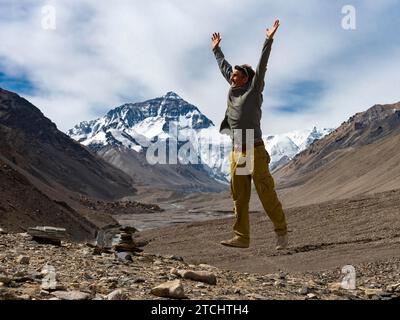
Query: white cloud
point(103, 54)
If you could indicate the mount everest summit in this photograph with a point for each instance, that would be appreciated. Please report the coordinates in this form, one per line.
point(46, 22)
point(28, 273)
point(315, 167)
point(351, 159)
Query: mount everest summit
point(124, 135)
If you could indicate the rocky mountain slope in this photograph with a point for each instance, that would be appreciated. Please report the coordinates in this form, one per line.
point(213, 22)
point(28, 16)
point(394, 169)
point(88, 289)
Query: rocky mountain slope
point(44, 173)
point(358, 157)
point(23, 205)
point(284, 147)
point(34, 144)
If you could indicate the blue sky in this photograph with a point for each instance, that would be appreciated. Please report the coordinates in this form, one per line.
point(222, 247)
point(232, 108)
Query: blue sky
point(103, 54)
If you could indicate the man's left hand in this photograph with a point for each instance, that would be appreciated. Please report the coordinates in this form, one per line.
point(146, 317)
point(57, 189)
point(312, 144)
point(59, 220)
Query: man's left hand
point(271, 32)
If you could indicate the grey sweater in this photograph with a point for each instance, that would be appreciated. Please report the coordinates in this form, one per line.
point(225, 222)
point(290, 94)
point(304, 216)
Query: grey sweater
point(244, 103)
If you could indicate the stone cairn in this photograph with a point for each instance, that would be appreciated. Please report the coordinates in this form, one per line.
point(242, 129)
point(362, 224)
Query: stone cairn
point(125, 242)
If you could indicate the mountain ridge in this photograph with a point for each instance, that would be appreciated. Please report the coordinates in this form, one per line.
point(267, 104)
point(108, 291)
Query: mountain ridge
point(45, 173)
point(359, 157)
point(121, 127)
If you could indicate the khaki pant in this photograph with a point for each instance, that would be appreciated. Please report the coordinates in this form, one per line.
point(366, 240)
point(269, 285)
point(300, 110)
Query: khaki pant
point(243, 170)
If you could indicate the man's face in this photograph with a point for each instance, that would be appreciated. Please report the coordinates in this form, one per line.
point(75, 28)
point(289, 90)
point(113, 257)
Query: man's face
point(238, 79)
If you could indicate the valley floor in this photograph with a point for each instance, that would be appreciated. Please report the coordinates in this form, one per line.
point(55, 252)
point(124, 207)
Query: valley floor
point(321, 236)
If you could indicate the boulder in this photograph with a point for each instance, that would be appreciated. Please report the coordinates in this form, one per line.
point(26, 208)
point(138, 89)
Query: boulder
point(202, 276)
point(47, 234)
point(117, 295)
point(170, 289)
point(23, 259)
point(71, 295)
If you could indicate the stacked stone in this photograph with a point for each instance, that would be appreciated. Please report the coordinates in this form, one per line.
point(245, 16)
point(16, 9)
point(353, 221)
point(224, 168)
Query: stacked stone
point(126, 242)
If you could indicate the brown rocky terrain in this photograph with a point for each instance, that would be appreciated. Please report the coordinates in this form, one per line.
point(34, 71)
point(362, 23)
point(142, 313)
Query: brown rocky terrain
point(44, 173)
point(28, 271)
point(23, 205)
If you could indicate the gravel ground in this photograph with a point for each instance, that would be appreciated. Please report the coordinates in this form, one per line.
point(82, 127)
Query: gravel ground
point(81, 273)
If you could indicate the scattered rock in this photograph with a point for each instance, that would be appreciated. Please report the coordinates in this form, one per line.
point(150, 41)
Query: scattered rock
point(393, 287)
point(334, 287)
point(23, 259)
point(202, 276)
point(102, 277)
point(24, 297)
point(304, 290)
point(256, 296)
point(5, 279)
point(124, 256)
point(128, 229)
point(282, 275)
point(48, 235)
point(36, 275)
point(205, 266)
point(71, 295)
point(97, 250)
point(139, 280)
point(174, 257)
point(279, 284)
point(2, 231)
point(44, 293)
point(6, 294)
point(170, 289)
point(48, 286)
point(372, 292)
point(311, 296)
point(385, 294)
point(22, 277)
point(117, 295)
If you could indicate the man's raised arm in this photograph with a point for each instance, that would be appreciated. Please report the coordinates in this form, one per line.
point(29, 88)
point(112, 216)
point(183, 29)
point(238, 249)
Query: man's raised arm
point(262, 65)
point(224, 66)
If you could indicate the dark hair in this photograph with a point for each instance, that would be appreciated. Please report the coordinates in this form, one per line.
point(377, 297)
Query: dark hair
point(247, 70)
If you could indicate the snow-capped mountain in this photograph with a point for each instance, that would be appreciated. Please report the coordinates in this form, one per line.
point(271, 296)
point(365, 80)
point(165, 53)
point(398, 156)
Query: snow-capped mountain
point(291, 143)
point(127, 135)
point(279, 146)
point(284, 147)
point(136, 126)
point(304, 138)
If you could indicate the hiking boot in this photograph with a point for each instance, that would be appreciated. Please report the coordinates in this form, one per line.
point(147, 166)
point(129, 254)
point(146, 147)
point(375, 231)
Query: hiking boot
point(281, 242)
point(235, 243)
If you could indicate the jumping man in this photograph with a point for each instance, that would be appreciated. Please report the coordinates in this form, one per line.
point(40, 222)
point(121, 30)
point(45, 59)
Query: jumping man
point(243, 113)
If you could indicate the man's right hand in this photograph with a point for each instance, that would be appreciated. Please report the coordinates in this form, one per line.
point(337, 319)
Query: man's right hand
point(215, 40)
